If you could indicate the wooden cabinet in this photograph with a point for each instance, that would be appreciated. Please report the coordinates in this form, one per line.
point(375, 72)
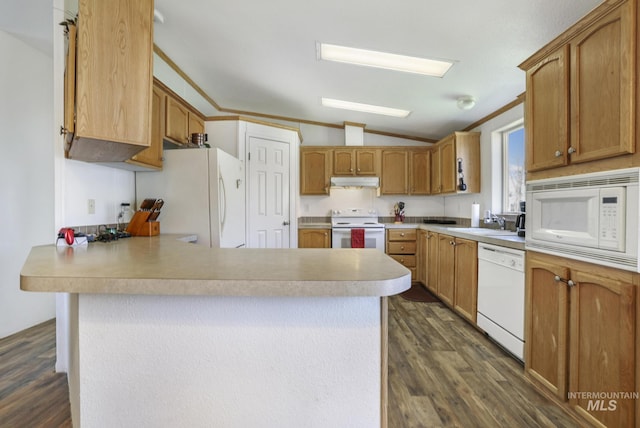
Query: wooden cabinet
point(432, 261)
point(436, 185)
point(422, 248)
point(581, 332)
point(602, 94)
point(457, 275)
point(466, 278)
point(394, 178)
point(420, 171)
point(580, 101)
point(181, 122)
point(402, 247)
point(315, 171)
point(111, 98)
point(455, 160)
point(547, 111)
point(151, 157)
point(359, 161)
point(446, 269)
point(314, 238)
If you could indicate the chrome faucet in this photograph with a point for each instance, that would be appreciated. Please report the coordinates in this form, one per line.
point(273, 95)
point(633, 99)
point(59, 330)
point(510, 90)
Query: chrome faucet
point(492, 218)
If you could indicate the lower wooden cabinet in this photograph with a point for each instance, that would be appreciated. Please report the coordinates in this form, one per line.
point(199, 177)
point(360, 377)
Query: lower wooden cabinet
point(402, 247)
point(448, 267)
point(431, 261)
point(421, 256)
point(314, 238)
point(457, 275)
point(581, 325)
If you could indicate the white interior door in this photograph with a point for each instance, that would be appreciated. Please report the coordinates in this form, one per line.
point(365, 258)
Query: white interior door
point(268, 193)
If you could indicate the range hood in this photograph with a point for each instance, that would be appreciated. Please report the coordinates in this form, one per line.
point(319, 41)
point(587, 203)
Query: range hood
point(358, 182)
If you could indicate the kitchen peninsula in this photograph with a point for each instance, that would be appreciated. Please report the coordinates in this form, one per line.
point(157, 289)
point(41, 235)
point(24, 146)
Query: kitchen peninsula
point(167, 333)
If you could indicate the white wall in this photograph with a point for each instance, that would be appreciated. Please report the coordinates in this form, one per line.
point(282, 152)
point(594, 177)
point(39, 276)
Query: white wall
point(76, 182)
point(26, 178)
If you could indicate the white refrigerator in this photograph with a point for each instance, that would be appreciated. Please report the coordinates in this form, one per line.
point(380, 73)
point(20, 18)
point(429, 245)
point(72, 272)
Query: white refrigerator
point(204, 194)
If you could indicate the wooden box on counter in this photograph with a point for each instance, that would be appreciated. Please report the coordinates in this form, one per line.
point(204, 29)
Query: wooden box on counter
point(140, 225)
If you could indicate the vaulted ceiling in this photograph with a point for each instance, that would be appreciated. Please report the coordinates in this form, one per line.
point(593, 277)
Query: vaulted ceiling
point(260, 56)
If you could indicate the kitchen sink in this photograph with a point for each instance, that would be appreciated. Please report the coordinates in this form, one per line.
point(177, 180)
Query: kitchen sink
point(482, 231)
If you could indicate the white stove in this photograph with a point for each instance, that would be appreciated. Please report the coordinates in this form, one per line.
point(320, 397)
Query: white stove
point(355, 217)
point(343, 220)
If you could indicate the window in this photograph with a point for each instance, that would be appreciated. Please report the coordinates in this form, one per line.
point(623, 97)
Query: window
point(513, 172)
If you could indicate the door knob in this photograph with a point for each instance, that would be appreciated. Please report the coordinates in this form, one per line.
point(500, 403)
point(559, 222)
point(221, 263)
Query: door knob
point(285, 223)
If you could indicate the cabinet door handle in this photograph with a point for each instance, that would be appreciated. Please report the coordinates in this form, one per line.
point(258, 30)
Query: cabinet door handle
point(569, 282)
point(571, 150)
point(558, 153)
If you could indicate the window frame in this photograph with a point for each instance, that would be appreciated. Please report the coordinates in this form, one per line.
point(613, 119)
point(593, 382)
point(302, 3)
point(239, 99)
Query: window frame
point(505, 132)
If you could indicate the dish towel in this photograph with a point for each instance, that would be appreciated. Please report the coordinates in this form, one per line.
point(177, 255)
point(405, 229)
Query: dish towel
point(357, 238)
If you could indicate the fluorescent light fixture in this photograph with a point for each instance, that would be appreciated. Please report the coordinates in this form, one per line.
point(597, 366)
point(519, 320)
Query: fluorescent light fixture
point(367, 108)
point(408, 64)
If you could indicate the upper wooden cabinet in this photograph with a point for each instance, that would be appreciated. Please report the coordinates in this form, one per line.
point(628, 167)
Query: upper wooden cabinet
point(181, 122)
point(455, 163)
point(151, 157)
point(580, 102)
point(395, 172)
point(359, 161)
point(406, 170)
point(113, 81)
point(315, 170)
point(547, 111)
point(602, 92)
point(420, 171)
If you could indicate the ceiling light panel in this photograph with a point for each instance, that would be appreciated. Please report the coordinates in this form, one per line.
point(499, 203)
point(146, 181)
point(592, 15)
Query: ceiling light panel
point(366, 108)
point(408, 64)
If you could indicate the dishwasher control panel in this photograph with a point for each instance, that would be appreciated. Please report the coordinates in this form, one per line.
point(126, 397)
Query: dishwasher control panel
point(502, 256)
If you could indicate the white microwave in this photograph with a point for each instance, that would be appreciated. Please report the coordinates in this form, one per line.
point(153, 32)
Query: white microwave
point(591, 217)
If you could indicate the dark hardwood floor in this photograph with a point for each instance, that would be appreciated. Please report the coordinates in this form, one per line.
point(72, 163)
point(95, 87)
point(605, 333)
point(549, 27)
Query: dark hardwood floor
point(445, 373)
point(442, 373)
point(31, 393)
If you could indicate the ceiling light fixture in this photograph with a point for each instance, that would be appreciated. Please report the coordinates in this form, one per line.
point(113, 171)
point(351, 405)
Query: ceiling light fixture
point(408, 64)
point(466, 102)
point(366, 108)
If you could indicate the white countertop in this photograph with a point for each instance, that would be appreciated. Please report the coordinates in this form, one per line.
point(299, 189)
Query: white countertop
point(509, 241)
point(163, 265)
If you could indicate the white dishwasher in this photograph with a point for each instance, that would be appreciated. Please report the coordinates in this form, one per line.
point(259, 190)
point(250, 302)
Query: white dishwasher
point(501, 296)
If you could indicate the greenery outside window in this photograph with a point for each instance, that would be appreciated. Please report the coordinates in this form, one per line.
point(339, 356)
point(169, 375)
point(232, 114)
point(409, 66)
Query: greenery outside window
point(513, 170)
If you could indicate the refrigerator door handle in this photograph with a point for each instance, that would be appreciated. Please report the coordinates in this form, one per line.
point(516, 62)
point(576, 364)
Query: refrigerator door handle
point(222, 203)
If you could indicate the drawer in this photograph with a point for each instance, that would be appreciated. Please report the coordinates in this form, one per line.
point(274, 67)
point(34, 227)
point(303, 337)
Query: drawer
point(401, 247)
point(401, 234)
point(408, 261)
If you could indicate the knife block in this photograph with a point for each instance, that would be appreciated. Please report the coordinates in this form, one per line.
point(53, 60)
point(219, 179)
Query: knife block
point(141, 226)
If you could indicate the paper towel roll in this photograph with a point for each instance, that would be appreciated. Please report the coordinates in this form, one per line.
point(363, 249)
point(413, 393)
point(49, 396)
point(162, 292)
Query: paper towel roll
point(475, 215)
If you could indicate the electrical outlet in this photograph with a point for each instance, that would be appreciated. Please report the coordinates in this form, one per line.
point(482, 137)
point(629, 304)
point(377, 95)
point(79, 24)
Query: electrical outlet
point(91, 206)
